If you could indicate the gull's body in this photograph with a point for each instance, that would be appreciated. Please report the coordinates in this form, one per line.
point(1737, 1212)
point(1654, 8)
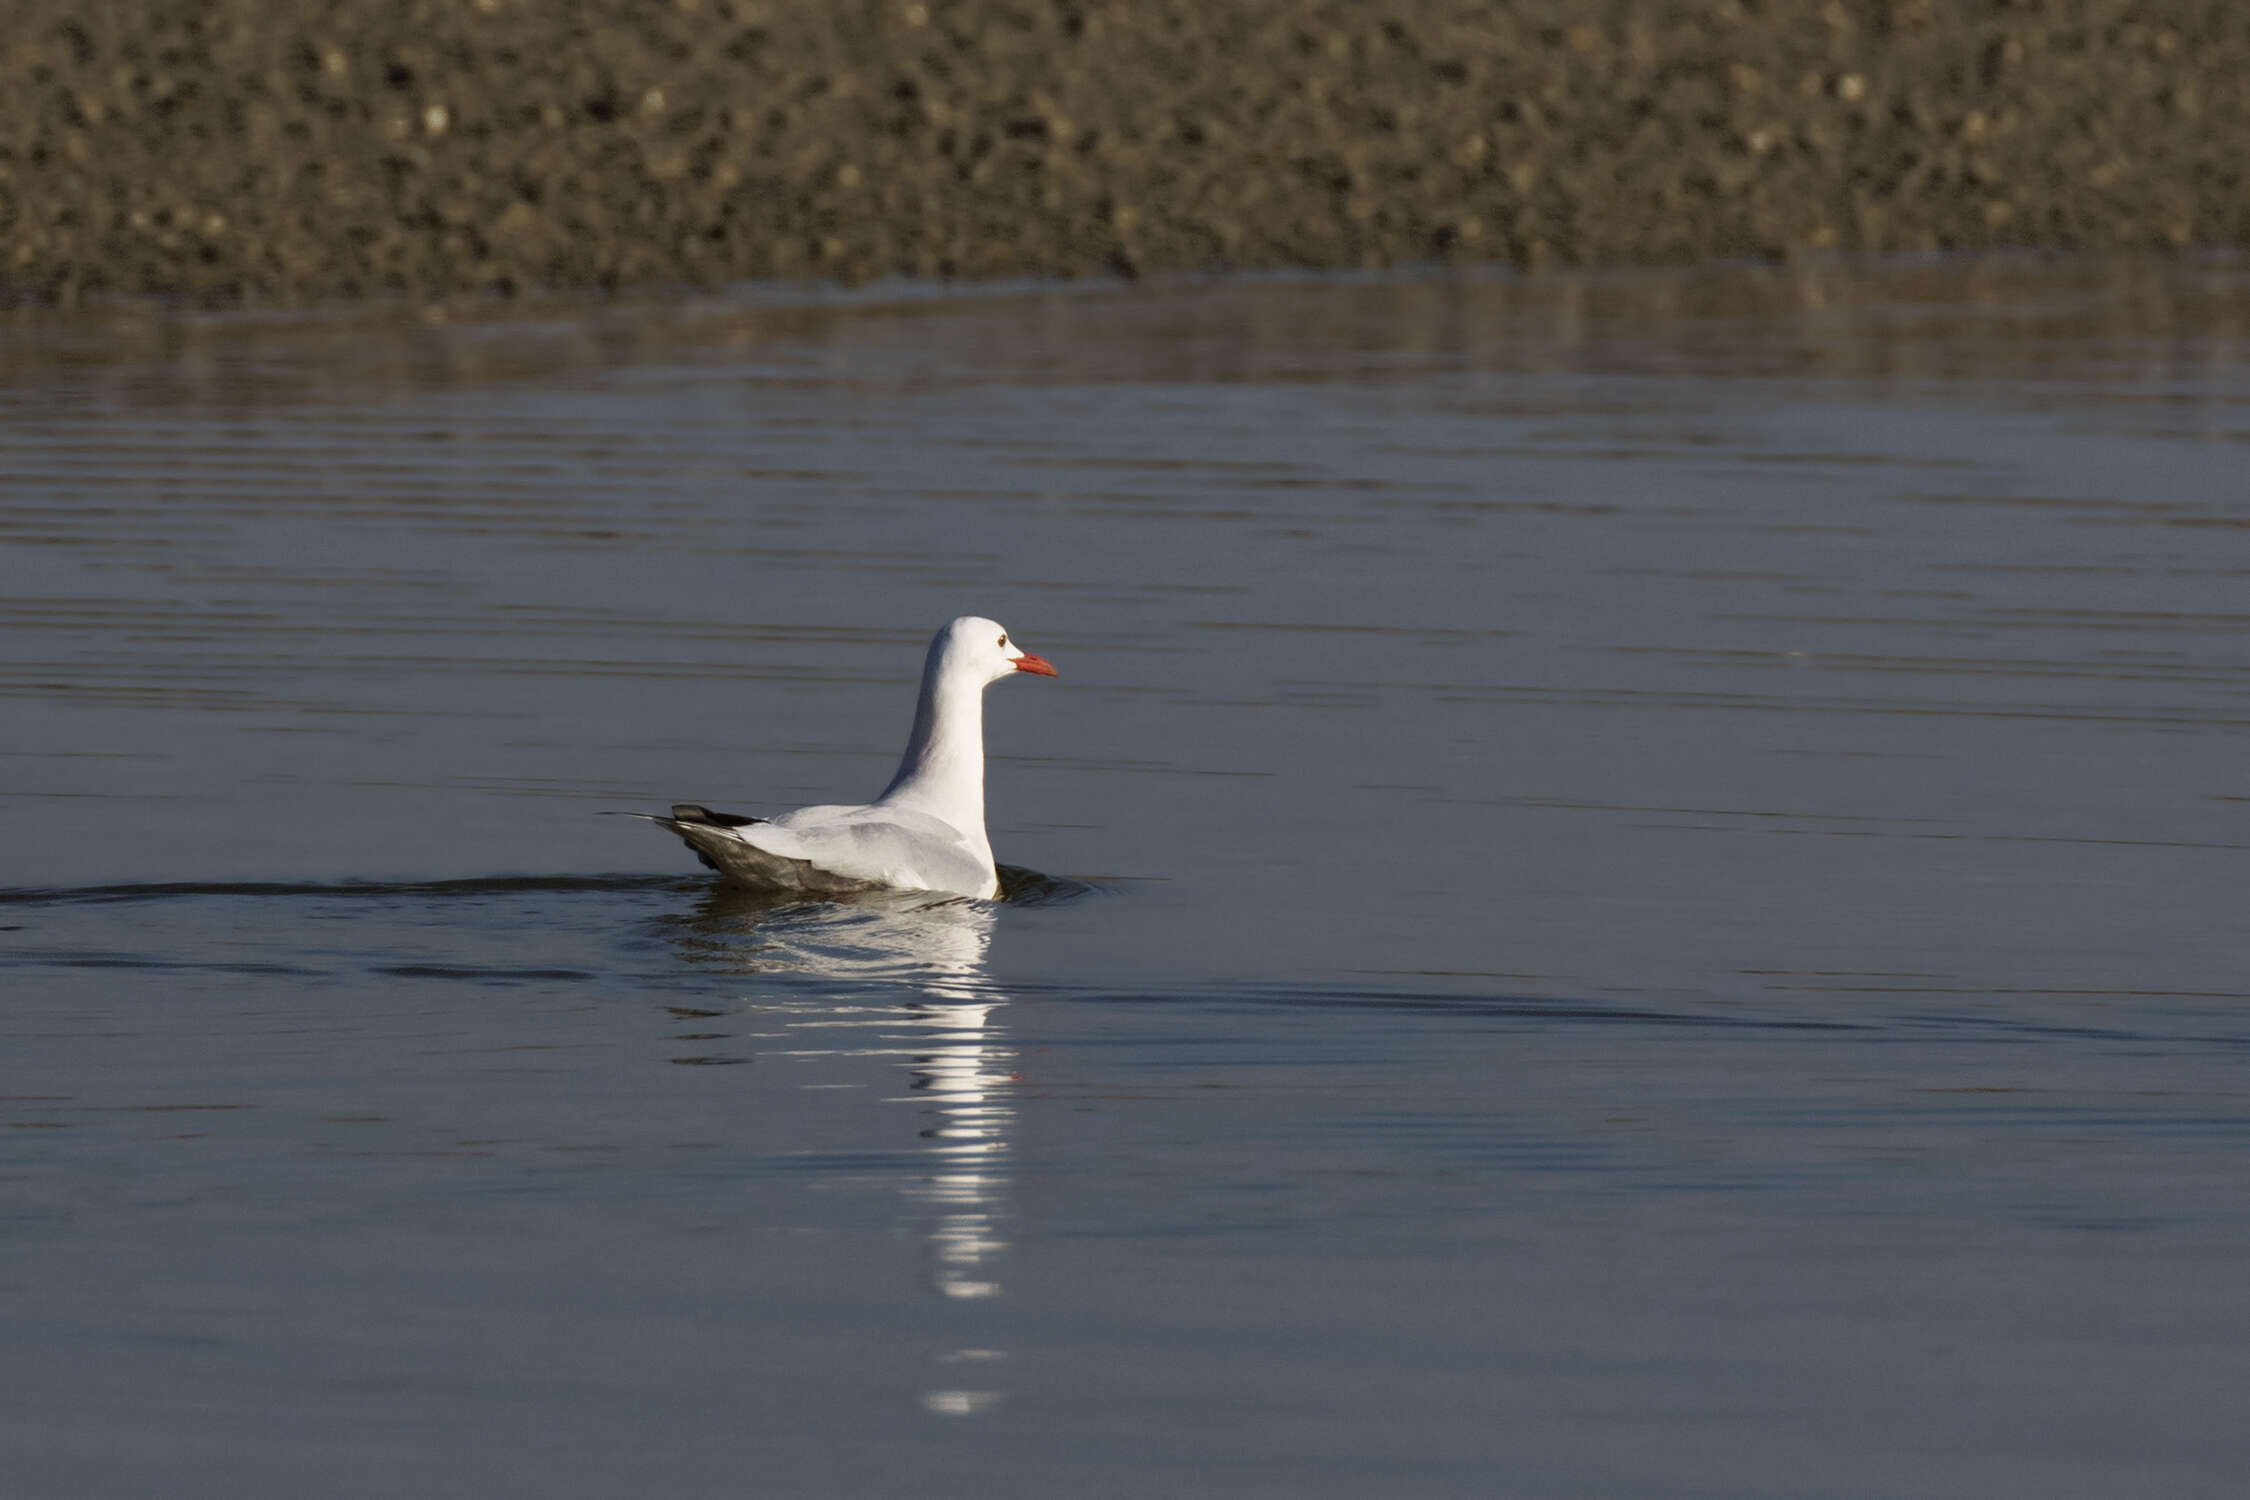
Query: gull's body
point(925, 833)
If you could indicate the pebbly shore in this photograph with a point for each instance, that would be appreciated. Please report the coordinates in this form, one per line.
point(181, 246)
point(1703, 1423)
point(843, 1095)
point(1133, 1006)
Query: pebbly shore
point(275, 151)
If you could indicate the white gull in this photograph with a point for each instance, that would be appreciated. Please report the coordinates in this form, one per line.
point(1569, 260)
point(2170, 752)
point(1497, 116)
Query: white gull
point(925, 833)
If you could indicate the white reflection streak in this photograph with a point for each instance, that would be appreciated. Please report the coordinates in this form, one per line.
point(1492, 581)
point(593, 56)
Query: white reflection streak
point(958, 1079)
point(958, 1076)
point(969, 1141)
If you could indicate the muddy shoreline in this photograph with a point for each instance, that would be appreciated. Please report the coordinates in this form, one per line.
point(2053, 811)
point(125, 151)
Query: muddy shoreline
point(277, 152)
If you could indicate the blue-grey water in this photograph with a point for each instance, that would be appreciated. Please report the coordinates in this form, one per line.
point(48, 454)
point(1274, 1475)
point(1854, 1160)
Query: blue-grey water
point(1646, 898)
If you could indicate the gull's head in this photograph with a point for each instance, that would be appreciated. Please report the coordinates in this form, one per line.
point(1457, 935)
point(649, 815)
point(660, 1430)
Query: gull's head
point(975, 646)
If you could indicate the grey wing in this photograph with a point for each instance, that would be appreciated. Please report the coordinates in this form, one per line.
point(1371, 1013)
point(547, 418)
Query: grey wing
point(718, 843)
point(881, 846)
point(833, 850)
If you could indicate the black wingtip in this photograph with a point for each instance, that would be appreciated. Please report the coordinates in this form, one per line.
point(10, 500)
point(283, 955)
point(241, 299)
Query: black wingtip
point(696, 812)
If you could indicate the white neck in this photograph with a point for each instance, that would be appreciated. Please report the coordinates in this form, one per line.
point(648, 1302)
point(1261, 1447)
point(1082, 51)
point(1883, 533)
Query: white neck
point(942, 772)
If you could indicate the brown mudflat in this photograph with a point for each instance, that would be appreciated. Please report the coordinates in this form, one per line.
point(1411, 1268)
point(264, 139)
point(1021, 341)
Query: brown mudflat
point(264, 150)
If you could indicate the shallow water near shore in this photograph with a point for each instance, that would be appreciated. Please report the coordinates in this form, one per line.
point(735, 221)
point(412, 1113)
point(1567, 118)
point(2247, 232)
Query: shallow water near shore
point(1632, 887)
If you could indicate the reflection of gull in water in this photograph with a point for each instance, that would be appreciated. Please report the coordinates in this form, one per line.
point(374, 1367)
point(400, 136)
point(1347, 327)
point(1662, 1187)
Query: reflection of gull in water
point(913, 970)
point(886, 940)
point(969, 1140)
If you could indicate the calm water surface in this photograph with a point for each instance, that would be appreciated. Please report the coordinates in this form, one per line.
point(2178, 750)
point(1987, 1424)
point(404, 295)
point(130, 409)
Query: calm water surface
point(1647, 898)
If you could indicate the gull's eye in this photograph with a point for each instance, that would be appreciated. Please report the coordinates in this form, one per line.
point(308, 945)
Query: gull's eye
point(1003, 640)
